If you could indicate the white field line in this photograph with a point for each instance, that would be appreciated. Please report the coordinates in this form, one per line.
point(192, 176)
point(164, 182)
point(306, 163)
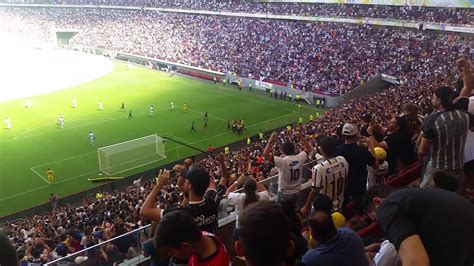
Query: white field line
point(68, 128)
point(215, 117)
point(140, 165)
point(75, 177)
point(46, 181)
point(46, 186)
point(47, 125)
point(186, 141)
point(65, 159)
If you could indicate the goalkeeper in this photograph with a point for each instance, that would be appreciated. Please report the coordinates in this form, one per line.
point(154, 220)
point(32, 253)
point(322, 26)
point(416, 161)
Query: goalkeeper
point(50, 175)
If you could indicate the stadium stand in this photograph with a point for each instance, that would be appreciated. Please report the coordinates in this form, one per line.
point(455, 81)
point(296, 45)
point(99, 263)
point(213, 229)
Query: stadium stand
point(280, 48)
point(337, 56)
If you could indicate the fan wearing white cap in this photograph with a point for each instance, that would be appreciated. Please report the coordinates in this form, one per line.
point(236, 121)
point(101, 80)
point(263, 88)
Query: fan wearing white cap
point(358, 158)
point(81, 259)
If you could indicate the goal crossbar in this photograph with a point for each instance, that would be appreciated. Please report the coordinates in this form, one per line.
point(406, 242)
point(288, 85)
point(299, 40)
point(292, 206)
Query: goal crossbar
point(130, 154)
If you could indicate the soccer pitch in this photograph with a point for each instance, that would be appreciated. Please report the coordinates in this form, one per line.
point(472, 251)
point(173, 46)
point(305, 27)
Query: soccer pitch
point(35, 142)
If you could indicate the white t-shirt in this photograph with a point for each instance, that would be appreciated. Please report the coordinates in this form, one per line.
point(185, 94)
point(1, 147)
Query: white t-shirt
point(387, 255)
point(377, 176)
point(238, 200)
point(290, 172)
point(329, 177)
point(469, 146)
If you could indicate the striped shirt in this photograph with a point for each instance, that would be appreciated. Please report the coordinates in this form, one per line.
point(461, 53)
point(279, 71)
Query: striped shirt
point(448, 131)
point(329, 177)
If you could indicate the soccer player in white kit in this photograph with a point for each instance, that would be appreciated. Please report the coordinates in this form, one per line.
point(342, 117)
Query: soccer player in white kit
point(74, 103)
point(172, 106)
point(328, 176)
point(27, 103)
point(91, 138)
point(101, 106)
point(8, 123)
point(152, 111)
point(61, 122)
point(290, 167)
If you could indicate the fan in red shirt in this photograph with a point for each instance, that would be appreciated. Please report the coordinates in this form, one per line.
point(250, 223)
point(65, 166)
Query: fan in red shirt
point(211, 149)
point(179, 234)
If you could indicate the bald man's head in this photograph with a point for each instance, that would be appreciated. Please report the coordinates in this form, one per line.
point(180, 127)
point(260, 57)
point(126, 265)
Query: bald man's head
point(188, 162)
point(322, 227)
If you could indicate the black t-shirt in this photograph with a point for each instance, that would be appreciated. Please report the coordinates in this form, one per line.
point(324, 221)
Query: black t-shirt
point(358, 158)
point(205, 212)
point(443, 220)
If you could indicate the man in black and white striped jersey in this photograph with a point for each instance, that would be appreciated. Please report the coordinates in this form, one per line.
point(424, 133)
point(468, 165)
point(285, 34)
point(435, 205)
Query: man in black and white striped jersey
point(329, 176)
point(444, 136)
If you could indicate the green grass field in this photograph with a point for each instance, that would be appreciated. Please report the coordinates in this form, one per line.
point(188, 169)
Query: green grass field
point(36, 142)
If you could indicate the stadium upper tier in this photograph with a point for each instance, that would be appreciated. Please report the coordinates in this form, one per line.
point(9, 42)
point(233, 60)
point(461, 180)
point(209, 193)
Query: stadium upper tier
point(422, 14)
point(323, 57)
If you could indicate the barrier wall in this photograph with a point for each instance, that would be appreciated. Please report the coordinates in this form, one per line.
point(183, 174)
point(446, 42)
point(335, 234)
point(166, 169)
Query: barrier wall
point(155, 63)
point(372, 86)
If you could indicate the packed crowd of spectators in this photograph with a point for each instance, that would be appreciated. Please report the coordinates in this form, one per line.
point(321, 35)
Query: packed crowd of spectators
point(409, 13)
point(327, 58)
point(410, 54)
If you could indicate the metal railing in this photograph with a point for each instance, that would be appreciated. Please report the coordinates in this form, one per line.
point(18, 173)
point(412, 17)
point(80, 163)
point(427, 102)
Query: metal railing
point(89, 252)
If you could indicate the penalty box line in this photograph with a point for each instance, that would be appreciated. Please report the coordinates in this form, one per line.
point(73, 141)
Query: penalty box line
point(107, 119)
point(42, 187)
point(215, 117)
point(38, 174)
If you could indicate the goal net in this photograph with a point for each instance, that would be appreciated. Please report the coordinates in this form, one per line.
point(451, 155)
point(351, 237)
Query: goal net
point(127, 155)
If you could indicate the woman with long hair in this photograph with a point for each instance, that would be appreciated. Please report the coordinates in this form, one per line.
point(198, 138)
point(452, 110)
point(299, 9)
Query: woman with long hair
point(253, 191)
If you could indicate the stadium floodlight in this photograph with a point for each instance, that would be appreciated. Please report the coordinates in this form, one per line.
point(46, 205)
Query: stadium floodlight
point(127, 155)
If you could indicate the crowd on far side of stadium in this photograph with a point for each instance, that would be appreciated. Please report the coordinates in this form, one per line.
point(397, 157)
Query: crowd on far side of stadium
point(447, 15)
point(330, 59)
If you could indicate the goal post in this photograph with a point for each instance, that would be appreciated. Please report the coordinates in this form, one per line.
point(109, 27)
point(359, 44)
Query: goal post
point(127, 155)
